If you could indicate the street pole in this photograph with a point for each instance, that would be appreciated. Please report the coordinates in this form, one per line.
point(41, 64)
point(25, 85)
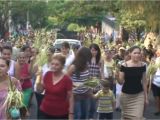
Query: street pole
point(27, 24)
point(10, 19)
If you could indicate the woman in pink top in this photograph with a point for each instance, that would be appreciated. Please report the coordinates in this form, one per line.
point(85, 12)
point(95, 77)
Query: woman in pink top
point(4, 85)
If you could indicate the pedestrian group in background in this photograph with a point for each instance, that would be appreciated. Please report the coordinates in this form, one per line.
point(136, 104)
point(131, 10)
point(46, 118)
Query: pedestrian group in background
point(57, 89)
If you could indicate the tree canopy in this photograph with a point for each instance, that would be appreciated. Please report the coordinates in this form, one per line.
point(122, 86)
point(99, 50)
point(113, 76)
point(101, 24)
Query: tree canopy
point(60, 13)
point(140, 13)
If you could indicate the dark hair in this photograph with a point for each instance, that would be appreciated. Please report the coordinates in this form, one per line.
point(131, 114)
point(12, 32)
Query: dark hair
point(126, 53)
point(105, 83)
point(66, 45)
point(133, 48)
point(51, 49)
point(24, 47)
point(6, 61)
point(82, 59)
point(7, 47)
point(96, 47)
point(144, 52)
point(36, 49)
point(75, 47)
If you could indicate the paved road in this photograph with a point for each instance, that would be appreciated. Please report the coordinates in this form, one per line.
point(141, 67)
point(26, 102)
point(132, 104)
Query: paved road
point(149, 112)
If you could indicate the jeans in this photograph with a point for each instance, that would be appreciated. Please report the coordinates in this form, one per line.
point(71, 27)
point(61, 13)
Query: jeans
point(45, 116)
point(81, 108)
point(33, 107)
point(39, 98)
point(92, 108)
point(105, 116)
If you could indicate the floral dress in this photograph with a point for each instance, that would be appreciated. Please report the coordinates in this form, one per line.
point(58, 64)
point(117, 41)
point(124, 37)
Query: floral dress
point(3, 95)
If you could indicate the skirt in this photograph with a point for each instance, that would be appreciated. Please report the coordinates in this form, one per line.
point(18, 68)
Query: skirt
point(132, 106)
point(27, 94)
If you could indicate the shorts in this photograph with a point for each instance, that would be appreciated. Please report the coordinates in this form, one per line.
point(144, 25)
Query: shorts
point(105, 116)
point(155, 90)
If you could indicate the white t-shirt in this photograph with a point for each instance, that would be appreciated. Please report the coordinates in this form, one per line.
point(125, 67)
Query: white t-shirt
point(45, 69)
point(11, 68)
point(118, 88)
point(69, 60)
point(156, 79)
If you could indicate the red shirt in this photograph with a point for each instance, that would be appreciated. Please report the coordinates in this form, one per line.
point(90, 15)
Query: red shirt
point(55, 101)
point(25, 73)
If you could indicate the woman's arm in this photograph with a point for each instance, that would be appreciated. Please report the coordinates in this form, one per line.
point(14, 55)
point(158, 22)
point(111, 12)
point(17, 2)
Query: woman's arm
point(70, 70)
point(113, 101)
point(71, 105)
point(121, 78)
point(102, 69)
point(39, 87)
point(17, 83)
point(33, 68)
point(144, 82)
point(39, 83)
point(121, 75)
point(17, 71)
point(113, 104)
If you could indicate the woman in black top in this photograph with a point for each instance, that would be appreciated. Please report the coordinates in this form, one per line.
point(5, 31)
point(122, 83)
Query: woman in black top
point(134, 91)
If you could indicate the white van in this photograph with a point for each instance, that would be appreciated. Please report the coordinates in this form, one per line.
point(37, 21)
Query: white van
point(72, 42)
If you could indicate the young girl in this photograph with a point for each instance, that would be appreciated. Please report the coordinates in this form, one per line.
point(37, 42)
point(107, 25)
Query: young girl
point(106, 101)
point(95, 70)
point(134, 91)
point(80, 73)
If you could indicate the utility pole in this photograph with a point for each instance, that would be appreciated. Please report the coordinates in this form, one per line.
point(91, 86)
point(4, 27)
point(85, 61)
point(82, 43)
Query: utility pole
point(27, 24)
point(10, 19)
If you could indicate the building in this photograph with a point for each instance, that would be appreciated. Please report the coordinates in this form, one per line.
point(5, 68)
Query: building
point(109, 26)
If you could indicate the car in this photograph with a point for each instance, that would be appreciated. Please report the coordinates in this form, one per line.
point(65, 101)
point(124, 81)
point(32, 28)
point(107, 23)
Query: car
point(72, 42)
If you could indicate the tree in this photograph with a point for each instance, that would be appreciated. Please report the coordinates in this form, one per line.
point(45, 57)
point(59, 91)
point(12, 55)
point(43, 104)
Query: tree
point(4, 10)
point(147, 13)
point(81, 12)
point(37, 10)
point(75, 27)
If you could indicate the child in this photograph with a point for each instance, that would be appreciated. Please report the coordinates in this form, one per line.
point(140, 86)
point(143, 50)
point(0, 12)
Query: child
point(106, 101)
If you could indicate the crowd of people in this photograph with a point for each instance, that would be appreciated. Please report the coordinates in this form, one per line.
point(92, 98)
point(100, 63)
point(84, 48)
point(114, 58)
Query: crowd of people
point(56, 90)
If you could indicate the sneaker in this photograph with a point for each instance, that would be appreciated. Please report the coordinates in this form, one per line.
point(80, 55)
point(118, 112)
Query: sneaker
point(157, 113)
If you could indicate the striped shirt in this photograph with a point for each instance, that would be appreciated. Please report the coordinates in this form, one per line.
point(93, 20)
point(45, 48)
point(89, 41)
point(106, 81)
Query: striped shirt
point(94, 70)
point(84, 76)
point(105, 101)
